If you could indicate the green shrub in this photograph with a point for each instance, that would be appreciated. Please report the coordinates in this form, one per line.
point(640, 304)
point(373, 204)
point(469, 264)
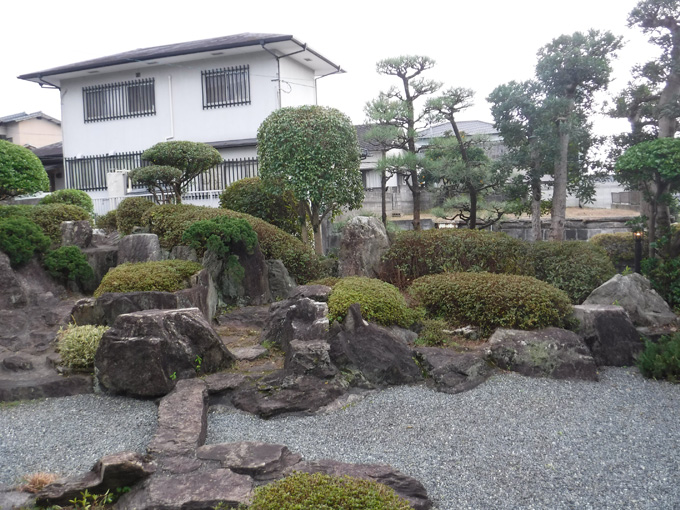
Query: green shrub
point(491, 301)
point(620, 248)
point(77, 345)
point(130, 212)
point(21, 172)
point(171, 220)
point(664, 276)
point(68, 263)
point(661, 360)
point(14, 211)
point(251, 197)
point(576, 267)
point(418, 253)
point(380, 302)
point(20, 238)
point(433, 333)
point(328, 281)
point(50, 216)
point(107, 222)
point(70, 196)
point(318, 491)
point(219, 234)
point(165, 275)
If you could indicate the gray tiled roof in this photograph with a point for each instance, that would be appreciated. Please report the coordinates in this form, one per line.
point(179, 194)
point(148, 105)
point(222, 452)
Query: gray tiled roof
point(18, 117)
point(470, 127)
point(171, 50)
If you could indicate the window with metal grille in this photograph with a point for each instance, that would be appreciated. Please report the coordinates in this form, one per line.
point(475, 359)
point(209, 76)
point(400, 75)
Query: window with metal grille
point(121, 100)
point(229, 86)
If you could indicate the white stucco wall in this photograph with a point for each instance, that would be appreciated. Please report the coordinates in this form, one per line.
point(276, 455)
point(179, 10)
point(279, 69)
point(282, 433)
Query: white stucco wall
point(297, 84)
point(179, 111)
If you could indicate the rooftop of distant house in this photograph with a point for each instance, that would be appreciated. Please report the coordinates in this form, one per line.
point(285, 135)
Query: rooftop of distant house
point(19, 117)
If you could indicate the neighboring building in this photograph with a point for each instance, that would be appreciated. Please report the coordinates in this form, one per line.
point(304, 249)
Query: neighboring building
point(216, 91)
point(52, 158)
point(30, 129)
point(484, 132)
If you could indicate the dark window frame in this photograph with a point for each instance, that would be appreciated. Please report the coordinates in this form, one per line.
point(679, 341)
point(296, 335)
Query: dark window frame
point(225, 86)
point(120, 100)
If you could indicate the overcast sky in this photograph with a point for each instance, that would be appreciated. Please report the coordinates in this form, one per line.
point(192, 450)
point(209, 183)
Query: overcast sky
point(476, 44)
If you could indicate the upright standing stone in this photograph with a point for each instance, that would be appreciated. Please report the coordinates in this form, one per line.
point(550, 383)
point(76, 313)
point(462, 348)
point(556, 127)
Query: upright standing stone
point(364, 242)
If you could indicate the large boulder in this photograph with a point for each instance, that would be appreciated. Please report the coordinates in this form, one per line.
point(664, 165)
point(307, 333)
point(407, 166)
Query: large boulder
point(139, 248)
point(103, 310)
point(453, 372)
point(551, 352)
point(281, 283)
point(76, 233)
point(635, 294)
point(101, 259)
point(364, 242)
point(609, 333)
point(372, 352)
point(145, 353)
point(13, 294)
point(244, 285)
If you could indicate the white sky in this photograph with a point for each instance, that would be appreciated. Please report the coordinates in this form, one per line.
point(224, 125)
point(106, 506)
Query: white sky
point(477, 44)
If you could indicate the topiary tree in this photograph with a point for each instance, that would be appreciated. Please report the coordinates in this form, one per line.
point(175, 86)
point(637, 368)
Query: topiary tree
point(158, 180)
point(313, 151)
point(70, 196)
point(21, 172)
point(251, 196)
point(192, 158)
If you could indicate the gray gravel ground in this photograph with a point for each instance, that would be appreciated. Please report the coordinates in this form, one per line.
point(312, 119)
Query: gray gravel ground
point(512, 443)
point(68, 435)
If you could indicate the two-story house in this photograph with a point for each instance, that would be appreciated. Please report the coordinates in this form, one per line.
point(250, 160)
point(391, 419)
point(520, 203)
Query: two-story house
point(215, 91)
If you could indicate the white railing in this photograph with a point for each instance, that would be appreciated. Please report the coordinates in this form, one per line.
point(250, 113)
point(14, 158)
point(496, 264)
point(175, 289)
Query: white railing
point(210, 198)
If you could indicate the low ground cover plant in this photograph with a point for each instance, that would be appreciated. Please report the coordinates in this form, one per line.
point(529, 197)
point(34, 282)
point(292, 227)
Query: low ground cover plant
point(661, 360)
point(491, 301)
point(171, 220)
point(305, 491)
point(380, 302)
point(50, 216)
point(576, 267)
point(70, 196)
point(68, 263)
point(130, 212)
point(165, 275)
point(20, 239)
point(77, 345)
point(418, 253)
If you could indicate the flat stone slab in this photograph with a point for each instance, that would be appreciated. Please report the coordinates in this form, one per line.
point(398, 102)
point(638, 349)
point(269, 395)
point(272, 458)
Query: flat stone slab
point(182, 419)
point(45, 386)
point(248, 353)
point(222, 382)
point(262, 461)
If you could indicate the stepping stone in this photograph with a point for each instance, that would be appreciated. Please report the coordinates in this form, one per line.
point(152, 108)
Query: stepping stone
point(262, 461)
point(248, 353)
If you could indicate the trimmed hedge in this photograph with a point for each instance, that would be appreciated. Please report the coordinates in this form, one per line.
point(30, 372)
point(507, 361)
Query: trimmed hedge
point(576, 267)
point(491, 301)
point(620, 247)
point(15, 211)
point(418, 253)
point(169, 222)
point(380, 302)
point(68, 263)
point(69, 196)
point(107, 222)
point(20, 239)
point(130, 213)
point(164, 275)
point(50, 216)
point(318, 491)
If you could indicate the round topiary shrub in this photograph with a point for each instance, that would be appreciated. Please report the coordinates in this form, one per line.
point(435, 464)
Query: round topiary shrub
point(661, 360)
point(68, 263)
point(491, 301)
point(70, 196)
point(418, 253)
point(171, 220)
point(305, 491)
point(13, 211)
point(20, 239)
point(21, 171)
point(576, 267)
point(50, 216)
point(77, 345)
point(250, 196)
point(218, 234)
point(107, 222)
point(164, 275)
point(620, 248)
point(130, 213)
point(380, 302)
